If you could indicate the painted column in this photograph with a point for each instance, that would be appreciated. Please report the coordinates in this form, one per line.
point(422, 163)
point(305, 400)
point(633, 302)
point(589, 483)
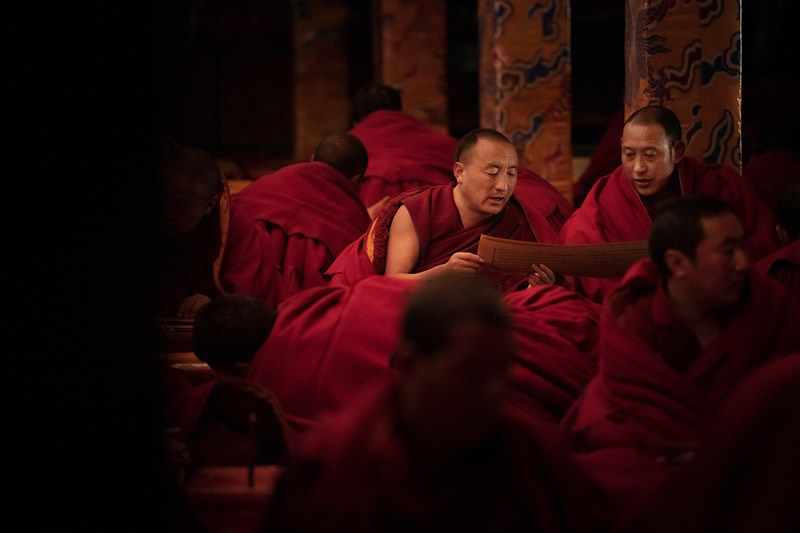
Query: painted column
point(525, 82)
point(321, 92)
point(686, 55)
point(411, 45)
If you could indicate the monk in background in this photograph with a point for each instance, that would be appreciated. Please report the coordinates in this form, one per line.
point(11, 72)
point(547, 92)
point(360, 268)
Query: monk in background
point(681, 330)
point(404, 152)
point(433, 450)
point(311, 210)
point(432, 230)
point(621, 206)
point(206, 247)
point(784, 264)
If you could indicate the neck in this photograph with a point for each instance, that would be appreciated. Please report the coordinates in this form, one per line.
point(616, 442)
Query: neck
point(469, 218)
point(703, 323)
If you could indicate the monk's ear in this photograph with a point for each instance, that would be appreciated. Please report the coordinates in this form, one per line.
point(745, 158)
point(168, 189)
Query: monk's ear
point(679, 150)
point(458, 171)
point(677, 262)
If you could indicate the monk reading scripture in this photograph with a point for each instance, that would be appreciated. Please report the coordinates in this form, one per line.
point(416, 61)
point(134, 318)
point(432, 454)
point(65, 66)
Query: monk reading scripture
point(436, 229)
point(311, 210)
point(620, 206)
point(680, 331)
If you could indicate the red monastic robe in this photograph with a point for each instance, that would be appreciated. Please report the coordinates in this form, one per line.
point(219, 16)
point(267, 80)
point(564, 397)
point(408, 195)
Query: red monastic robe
point(312, 212)
point(555, 331)
point(784, 267)
point(441, 234)
point(746, 476)
point(356, 473)
point(225, 253)
point(639, 400)
point(404, 153)
point(613, 212)
point(328, 343)
point(540, 195)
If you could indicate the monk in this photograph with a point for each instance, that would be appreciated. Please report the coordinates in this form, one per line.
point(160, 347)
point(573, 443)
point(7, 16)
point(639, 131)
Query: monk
point(784, 264)
point(206, 247)
point(620, 206)
point(433, 450)
point(775, 165)
point(680, 331)
point(432, 230)
point(311, 210)
point(404, 152)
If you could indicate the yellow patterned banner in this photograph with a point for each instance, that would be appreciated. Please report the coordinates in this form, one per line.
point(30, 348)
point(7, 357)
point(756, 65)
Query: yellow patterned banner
point(686, 55)
point(526, 80)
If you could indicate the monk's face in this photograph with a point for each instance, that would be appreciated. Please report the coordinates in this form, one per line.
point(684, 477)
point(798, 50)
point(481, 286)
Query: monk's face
point(184, 203)
point(718, 272)
point(487, 177)
point(648, 157)
point(459, 390)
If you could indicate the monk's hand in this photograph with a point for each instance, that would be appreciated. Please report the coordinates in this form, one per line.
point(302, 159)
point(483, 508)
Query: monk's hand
point(191, 305)
point(464, 262)
point(374, 208)
point(541, 275)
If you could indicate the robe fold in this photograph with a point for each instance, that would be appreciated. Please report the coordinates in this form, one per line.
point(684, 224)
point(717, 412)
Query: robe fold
point(312, 212)
point(404, 153)
point(613, 212)
point(440, 233)
point(744, 473)
point(555, 331)
point(536, 192)
point(356, 473)
point(328, 343)
point(225, 253)
point(639, 402)
point(784, 267)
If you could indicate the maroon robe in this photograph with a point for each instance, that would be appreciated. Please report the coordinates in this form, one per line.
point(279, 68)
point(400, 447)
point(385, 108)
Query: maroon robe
point(312, 212)
point(745, 473)
point(784, 267)
point(441, 234)
point(656, 385)
point(539, 194)
point(555, 331)
point(613, 212)
point(225, 253)
point(328, 343)
point(356, 473)
point(404, 153)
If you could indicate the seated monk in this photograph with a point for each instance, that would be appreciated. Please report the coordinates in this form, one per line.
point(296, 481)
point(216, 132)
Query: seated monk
point(784, 264)
point(404, 152)
point(432, 230)
point(775, 165)
point(537, 193)
point(311, 210)
point(433, 449)
point(206, 247)
point(744, 472)
point(620, 206)
point(681, 330)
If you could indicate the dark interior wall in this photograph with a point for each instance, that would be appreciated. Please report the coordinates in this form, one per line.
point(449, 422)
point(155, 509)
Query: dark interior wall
point(598, 68)
point(463, 58)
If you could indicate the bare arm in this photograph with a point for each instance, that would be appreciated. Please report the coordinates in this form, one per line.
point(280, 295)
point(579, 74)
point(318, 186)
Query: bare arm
point(402, 251)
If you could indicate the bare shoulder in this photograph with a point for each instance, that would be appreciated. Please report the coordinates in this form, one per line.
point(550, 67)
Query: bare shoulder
point(402, 250)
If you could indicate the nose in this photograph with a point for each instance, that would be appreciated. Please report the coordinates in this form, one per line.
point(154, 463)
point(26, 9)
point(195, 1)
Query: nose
point(638, 165)
point(501, 183)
